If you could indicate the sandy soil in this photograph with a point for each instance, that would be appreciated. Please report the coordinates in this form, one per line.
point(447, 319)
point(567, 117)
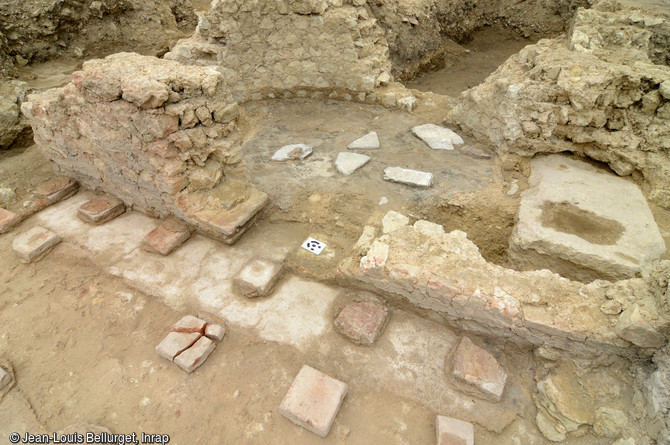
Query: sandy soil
point(469, 64)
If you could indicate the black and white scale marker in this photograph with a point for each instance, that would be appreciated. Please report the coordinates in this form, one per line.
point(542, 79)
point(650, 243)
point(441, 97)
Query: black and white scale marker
point(314, 246)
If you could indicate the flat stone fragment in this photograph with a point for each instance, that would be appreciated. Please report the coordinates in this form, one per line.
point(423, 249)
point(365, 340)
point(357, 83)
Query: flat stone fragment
point(292, 152)
point(347, 163)
point(438, 138)
point(230, 224)
point(632, 327)
point(189, 324)
point(5, 378)
point(57, 189)
point(409, 177)
point(368, 142)
point(452, 431)
point(393, 221)
point(362, 323)
point(476, 367)
point(34, 244)
point(175, 343)
point(196, 355)
point(584, 223)
point(313, 400)
point(101, 210)
point(167, 237)
point(257, 277)
point(215, 332)
point(8, 220)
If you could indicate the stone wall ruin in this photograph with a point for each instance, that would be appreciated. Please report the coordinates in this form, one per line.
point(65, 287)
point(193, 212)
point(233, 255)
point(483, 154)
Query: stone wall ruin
point(271, 49)
point(604, 93)
point(154, 133)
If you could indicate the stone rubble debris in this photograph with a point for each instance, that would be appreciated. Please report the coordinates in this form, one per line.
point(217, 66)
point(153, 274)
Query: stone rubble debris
point(101, 210)
point(292, 152)
point(616, 110)
point(631, 326)
point(409, 177)
point(257, 277)
point(368, 142)
point(479, 370)
point(32, 245)
point(347, 163)
point(167, 237)
point(438, 138)
point(313, 400)
point(452, 431)
point(393, 221)
point(362, 323)
point(190, 341)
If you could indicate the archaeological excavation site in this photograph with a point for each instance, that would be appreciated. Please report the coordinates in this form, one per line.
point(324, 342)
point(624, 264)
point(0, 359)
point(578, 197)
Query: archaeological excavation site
point(335, 222)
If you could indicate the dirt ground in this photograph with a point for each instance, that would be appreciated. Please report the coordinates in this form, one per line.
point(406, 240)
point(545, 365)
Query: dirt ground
point(467, 65)
point(81, 337)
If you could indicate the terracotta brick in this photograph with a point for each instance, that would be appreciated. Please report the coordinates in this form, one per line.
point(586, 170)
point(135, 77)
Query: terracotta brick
point(313, 400)
point(479, 370)
point(8, 220)
point(257, 278)
point(34, 244)
point(175, 343)
point(57, 189)
point(100, 210)
point(215, 332)
point(196, 355)
point(189, 324)
point(452, 431)
point(167, 237)
point(362, 323)
point(229, 225)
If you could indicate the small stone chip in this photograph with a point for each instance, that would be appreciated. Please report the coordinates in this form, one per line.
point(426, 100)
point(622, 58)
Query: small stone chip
point(100, 210)
point(313, 400)
point(452, 431)
point(189, 324)
point(257, 277)
point(175, 343)
point(196, 355)
point(292, 152)
point(5, 378)
point(34, 244)
point(368, 142)
point(438, 138)
point(347, 163)
point(362, 323)
point(409, 177)
point(479, 369)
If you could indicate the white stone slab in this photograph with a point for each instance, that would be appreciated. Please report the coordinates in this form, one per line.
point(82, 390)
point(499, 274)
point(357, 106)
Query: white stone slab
point(584, 223)
point(33, 244)
point(347, 163)
point(409, 177)
point(438, 138)
point(368, 142)
point(292, 152)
